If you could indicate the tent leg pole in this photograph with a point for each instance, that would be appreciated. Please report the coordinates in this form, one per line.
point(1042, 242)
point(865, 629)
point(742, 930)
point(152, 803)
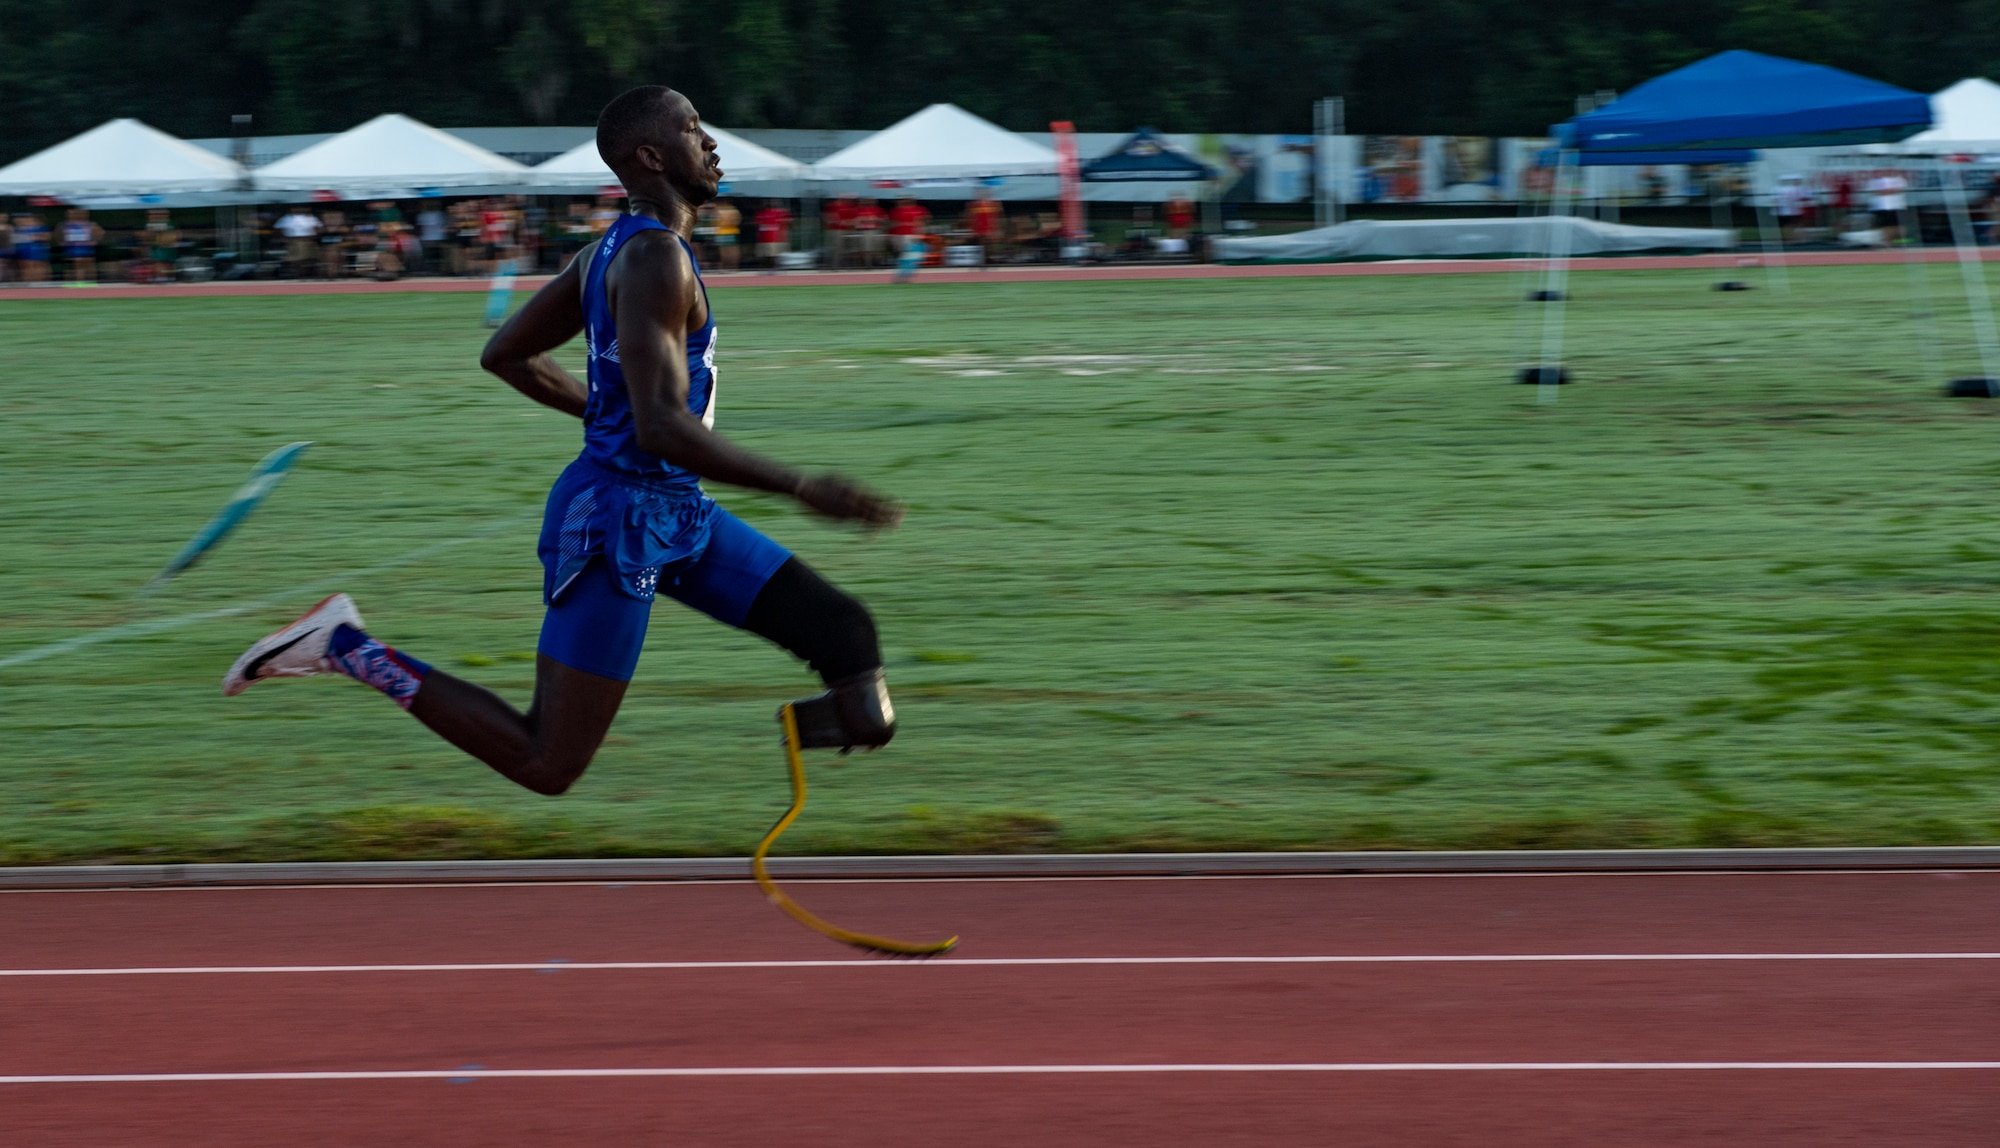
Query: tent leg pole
point(1718, 218)
point(1557, 283)
point(1776, 275)
point(1528, 209)
point(1973, 270)
point(1923, 308)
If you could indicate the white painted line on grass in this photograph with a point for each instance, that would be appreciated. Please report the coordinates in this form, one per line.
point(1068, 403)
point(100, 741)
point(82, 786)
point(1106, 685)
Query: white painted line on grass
point(998, 962)
point(471, 1074)
point(147, 626)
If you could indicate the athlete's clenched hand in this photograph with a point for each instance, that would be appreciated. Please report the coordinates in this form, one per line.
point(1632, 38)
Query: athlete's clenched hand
point(837, 497)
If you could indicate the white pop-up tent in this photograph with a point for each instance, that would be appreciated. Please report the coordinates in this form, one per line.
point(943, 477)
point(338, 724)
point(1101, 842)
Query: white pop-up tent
point(119, 158)
point(1967, 119)
point(742, 162)
point(942, 142)
point(390, 153)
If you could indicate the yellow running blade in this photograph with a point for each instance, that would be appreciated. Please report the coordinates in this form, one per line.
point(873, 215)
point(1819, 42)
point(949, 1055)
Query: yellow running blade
point(858, 940)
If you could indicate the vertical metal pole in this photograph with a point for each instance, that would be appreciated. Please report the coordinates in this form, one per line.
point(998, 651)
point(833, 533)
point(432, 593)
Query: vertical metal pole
point(1322, 161)
point(1925, 309)
point(1338, 129)
point(1776, 276)
point(1973, 270)
point(1722, 217)
point(1556, 284)
point(239, 147)
point(1527, 210)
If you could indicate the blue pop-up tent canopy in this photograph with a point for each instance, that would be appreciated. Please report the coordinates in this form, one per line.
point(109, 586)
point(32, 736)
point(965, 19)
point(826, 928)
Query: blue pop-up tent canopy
point(1550, 157)
point(1145, 156)
point(1748, 100)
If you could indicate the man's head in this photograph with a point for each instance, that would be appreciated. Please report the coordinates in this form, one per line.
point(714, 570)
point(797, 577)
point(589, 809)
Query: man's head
point(651, 138)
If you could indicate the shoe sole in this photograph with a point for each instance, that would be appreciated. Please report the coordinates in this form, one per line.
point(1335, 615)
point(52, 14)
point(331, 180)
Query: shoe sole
point(239, 677)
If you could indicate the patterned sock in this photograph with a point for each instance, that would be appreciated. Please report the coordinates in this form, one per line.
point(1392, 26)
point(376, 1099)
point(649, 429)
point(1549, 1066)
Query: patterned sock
point(371, 663)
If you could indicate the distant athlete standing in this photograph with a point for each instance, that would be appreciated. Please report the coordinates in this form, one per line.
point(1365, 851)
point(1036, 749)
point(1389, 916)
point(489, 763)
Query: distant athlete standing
point(628, 519)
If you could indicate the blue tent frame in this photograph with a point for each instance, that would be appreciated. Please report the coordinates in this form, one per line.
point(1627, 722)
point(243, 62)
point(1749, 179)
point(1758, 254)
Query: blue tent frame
point(1550, 157)
point(1742, 99)
point(1733, 101)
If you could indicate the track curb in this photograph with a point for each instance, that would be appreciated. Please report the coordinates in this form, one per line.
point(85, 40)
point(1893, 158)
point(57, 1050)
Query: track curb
point(1009, 865)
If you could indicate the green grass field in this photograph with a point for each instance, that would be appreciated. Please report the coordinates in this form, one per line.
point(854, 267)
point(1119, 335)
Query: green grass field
point(1240, 564)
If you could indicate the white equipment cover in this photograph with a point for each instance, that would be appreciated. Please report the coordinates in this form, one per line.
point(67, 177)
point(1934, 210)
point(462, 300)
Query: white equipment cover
point(943, 142)
point(742, 162)
point(1967, 116)
point(389, 152)
point(119, 157)
point(1466, 238)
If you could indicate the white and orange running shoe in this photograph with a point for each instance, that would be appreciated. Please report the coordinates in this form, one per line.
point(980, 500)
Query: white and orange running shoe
point(296, 651)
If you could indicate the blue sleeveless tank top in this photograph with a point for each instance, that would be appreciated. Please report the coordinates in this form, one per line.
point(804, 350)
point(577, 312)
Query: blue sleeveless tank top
point(609, 437)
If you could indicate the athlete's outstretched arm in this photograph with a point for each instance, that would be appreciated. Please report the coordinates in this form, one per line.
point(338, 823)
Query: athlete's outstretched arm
point(519, 351)
point(653, 291)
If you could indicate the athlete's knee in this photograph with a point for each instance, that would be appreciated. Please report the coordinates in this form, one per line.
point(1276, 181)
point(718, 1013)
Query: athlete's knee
point(854, 713)
point(550, 770)
point(814, 619)
point(847, 642)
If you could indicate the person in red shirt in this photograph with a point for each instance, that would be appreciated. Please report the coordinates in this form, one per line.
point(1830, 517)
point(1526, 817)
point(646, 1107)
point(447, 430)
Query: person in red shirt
point(908, 221)
point(839, 221)
point(871, 226)
point(984, 218)
point(774, 233)
point(1180, 216)
point(496, 230)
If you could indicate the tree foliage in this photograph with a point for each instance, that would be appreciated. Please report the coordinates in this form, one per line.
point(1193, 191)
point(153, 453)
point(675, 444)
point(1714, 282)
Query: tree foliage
point(1420, 66)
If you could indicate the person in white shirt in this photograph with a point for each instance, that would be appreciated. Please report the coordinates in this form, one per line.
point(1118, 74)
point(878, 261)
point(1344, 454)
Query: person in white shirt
point(299, 227)
point(1886, 199)
point(1795, 207)
point(431, 224)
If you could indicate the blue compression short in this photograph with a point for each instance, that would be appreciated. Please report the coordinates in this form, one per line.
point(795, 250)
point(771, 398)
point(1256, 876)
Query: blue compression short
point(595, 626)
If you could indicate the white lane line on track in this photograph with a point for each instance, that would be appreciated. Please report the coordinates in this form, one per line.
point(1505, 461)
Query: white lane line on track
point(468, 1074)
point(997, 962)
point(693, 884)
point(147, 626)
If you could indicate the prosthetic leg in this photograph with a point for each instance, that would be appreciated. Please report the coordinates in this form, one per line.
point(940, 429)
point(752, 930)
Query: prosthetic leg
point(853, 713)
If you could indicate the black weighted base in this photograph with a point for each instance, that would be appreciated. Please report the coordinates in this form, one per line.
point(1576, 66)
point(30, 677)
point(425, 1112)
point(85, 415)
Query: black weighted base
point(1976, 387)
point(1543, 376)
point(1546, 296)
point(1732, 285)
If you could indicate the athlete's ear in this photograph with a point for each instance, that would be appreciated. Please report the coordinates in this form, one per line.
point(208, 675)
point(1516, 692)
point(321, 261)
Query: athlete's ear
point(650, 157)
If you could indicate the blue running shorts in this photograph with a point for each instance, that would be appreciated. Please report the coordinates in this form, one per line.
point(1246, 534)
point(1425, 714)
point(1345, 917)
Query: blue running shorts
point(609, 544)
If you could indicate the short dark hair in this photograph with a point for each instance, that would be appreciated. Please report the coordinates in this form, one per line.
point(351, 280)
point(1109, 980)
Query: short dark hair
point(626, 121)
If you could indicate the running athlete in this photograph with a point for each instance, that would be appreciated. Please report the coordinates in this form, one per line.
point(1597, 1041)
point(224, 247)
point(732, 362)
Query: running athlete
point(628, 519)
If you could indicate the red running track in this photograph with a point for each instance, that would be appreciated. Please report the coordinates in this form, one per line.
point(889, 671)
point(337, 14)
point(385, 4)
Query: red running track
point(1233, 1011)
point(1030, 274)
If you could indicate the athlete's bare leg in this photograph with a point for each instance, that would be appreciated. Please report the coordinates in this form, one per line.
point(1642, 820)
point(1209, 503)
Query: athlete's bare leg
point(545, 749)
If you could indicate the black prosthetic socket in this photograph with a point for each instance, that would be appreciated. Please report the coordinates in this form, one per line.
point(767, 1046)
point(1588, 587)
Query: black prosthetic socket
point(807, 615)
point(854, 713)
